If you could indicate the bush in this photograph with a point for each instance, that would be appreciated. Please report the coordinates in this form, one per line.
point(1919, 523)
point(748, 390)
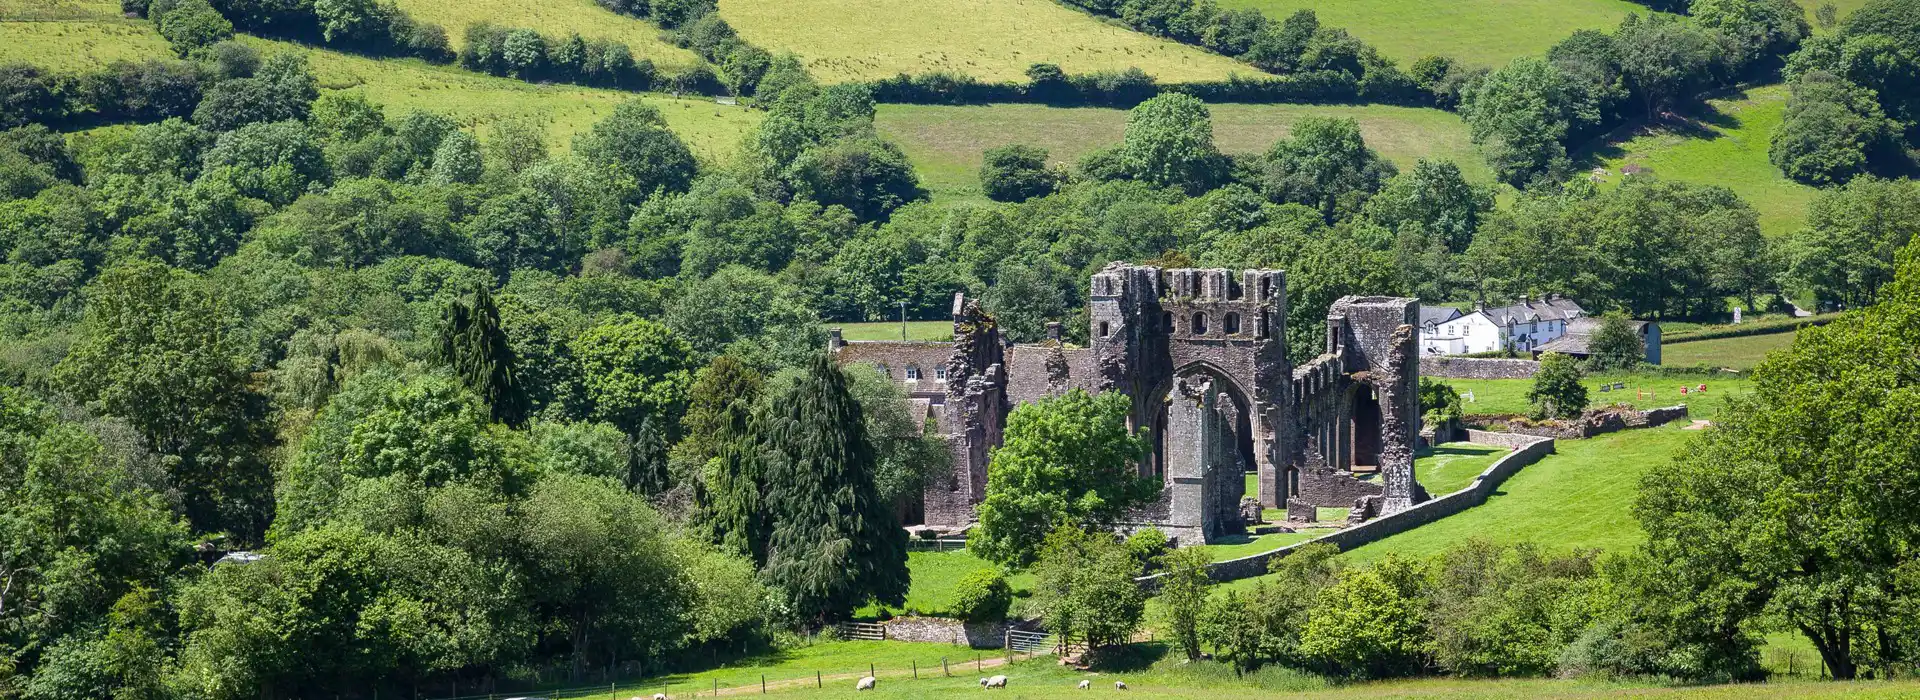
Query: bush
point(1147, 546)
point(982, 596)
point(1556, 391)
point(1017, 173)
point(29, 95)
point(192, 25)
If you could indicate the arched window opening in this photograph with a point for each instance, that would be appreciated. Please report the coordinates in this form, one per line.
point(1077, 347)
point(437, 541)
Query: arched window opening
point(1199, 324)
point(1105, 332)
point(1231, 324)
point(1166, 321)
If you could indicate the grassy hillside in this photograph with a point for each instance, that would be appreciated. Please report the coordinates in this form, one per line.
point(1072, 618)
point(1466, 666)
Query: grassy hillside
point(945, 143)
point(1477, 32)
point(1496, 396)
point(555, 18)
point(713, 131)
point(99, 36)
point(987, 39)
point(1736, 353)
point(1728, 148)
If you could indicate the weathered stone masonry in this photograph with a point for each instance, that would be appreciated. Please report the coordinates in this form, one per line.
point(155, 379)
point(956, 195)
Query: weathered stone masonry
point(1201, 353)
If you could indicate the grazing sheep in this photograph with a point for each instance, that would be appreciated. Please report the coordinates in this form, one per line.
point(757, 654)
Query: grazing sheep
point(866, 683)
point(994, 682)
point(1086, 684)
point(1119, 685)
point(659, 696)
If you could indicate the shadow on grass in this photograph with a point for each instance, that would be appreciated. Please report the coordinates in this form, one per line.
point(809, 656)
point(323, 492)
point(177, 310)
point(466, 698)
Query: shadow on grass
point(1700, 120)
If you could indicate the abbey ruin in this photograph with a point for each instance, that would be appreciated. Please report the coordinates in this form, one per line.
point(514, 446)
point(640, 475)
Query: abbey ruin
point(1202, 355)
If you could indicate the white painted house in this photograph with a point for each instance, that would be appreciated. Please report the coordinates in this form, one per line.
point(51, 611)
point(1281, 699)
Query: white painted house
point(1519, 327)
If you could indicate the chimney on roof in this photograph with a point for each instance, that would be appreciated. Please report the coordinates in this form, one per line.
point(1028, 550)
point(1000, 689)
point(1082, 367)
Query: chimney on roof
point(1053, 331)
point(834, 340)
point(1553, 297)
point(1479, 305)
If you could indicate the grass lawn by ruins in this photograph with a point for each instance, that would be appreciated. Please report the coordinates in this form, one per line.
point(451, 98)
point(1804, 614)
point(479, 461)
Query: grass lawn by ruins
point(992, 40)
point(1579, 497)
point(1451, 466)
point(946, 143)
point(1477, 32)
point(1726, 146)
point(936, 581)
point(890, 330)
point(1499, 396)
point(555, 19)
point(1740, 353)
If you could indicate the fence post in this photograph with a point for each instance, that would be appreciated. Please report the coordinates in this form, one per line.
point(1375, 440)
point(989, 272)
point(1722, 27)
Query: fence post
point(816, 680)
point(916, 669)
point(943, 670)
point(716, 686)
point(763, 684)
point(870, 673)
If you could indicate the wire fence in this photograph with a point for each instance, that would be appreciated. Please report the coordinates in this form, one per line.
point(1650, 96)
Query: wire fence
point(1027, 646)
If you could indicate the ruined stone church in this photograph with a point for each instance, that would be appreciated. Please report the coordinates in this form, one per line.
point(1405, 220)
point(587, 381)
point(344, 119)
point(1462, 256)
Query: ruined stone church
point(1202, 355)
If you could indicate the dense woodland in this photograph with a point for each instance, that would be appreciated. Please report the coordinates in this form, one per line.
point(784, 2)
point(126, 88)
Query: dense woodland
point(490, 409)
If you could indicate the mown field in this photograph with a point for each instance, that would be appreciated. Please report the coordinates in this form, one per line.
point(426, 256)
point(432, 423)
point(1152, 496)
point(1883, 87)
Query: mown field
point(99, 36)
point(991, 40)
point(909, 670)
point(890, 330)
point(945, 143)
point(1477, 32)
point(1734, 353)
point(554, 18)
point(1726, 146)
point(1498, 396)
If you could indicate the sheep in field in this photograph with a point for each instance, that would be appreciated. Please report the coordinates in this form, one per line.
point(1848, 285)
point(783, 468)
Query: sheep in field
point(866, 683)
point(1086, 684)
point(1119, 685)
point(994, 682)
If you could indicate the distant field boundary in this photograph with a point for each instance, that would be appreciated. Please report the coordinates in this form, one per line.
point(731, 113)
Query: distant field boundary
point(1526, 450)
point(1124, 91)
point(1743, 330)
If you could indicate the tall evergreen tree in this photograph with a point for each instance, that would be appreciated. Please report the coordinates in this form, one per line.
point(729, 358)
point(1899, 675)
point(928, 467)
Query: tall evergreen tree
point(721, 439)
point(474, 345)
point(835, 542)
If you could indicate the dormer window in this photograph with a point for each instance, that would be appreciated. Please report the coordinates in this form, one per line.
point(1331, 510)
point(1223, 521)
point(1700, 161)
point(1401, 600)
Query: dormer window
point(885, 371)
point(913, 373)
point(940, 373)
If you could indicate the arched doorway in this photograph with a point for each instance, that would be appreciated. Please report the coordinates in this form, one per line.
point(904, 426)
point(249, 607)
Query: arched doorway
point(1365, 414)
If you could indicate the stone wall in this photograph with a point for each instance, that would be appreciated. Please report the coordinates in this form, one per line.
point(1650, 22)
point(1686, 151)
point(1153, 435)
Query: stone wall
point(940, 630)
point(1526, 451)
point(1598, 421)
point(1477, 368)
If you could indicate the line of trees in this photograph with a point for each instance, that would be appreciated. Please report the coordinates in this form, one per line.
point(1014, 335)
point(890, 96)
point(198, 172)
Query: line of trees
point(1853, 109)
point(525, 54)
point(375, 27)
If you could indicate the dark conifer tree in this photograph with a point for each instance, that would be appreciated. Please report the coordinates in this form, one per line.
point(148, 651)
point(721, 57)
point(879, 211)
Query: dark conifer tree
point(475, 347)
point(722, 438)
point(836, 544)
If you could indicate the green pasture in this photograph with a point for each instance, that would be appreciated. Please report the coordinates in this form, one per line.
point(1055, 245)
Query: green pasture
point(936, 582)
point(914, 670)
point(1501, 396)
point(1740, 353)
point(945, 143)
point(556, 19)
point(994, 40)
point(1476, 32)
point(1449, 467)
point(79, 44)
point(1725, 145)
point(890, 330)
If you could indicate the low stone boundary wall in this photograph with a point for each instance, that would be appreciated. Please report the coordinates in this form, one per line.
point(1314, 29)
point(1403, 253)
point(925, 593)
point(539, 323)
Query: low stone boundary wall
point(1598, 421)
point(1526, 450)
point(1477, 368)
point(940, 630)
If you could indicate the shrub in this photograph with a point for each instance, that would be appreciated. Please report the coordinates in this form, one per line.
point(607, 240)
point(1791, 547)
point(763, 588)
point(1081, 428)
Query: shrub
point(982, 596)
point(1147, 546)
point(1556, 391)
point(1017, 173)
point(192, 25)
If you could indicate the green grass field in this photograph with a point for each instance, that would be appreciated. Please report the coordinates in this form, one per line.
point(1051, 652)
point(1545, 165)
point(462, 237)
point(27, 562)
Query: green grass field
point(1728, 148)
point(988, 39)
point(713, 131)
point(1478, 32)
point(1496, 396)
point(554, 18)
point(910, 670)
point(936, 580)
point(1449, 467)
point(945, 143)
point(1579, 497)
point(890, 330)
point(1735, 353)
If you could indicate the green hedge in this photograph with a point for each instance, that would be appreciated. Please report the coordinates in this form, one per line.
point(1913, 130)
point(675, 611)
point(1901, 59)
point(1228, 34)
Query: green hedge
point(1746, 329)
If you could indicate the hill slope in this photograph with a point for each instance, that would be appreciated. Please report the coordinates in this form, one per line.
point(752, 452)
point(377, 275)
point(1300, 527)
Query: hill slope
point(1476, 32)
point(554, 18)
point(945, 143)
point(991, 40)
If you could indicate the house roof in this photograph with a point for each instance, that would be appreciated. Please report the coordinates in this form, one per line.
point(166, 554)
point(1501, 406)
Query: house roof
point(1553, 308)
point(1580, 332)
point(1430, 315)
